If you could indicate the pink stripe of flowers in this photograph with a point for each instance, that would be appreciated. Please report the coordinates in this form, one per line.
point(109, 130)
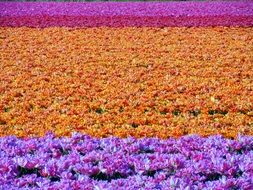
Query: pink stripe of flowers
point(153, 14)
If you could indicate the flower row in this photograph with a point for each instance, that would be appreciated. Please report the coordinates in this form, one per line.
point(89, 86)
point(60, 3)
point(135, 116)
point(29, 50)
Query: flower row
point(127, 8)
point(113, 14)
point(128, 81)
point(125, 21)
point(83, 162)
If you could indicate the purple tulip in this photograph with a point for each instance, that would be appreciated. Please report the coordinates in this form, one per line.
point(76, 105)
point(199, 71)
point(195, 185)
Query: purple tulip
point(190, 162)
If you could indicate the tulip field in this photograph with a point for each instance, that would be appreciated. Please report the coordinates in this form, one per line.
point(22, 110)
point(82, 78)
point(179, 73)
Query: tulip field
point(126, 95)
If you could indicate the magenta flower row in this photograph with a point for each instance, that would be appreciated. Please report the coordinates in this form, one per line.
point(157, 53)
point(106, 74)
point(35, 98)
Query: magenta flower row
point(84, 162)
point(125, 21)
point(153, 14)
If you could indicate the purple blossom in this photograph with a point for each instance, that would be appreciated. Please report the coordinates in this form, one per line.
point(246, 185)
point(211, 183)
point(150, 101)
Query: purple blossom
point(84, 162)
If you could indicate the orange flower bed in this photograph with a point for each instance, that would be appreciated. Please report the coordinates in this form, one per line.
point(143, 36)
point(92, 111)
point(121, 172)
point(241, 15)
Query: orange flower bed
point(126, 81)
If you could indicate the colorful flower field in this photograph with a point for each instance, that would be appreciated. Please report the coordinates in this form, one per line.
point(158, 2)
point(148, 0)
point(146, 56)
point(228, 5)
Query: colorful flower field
point(133, 96)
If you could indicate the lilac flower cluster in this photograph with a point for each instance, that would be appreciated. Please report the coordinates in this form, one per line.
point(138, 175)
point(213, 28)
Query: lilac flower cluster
point(139, 9)
point(84, 162)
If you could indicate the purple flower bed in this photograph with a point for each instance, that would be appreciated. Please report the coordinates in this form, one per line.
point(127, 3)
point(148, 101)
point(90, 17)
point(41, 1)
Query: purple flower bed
point(83, 162)
point(233, 8)
point(153, 14)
